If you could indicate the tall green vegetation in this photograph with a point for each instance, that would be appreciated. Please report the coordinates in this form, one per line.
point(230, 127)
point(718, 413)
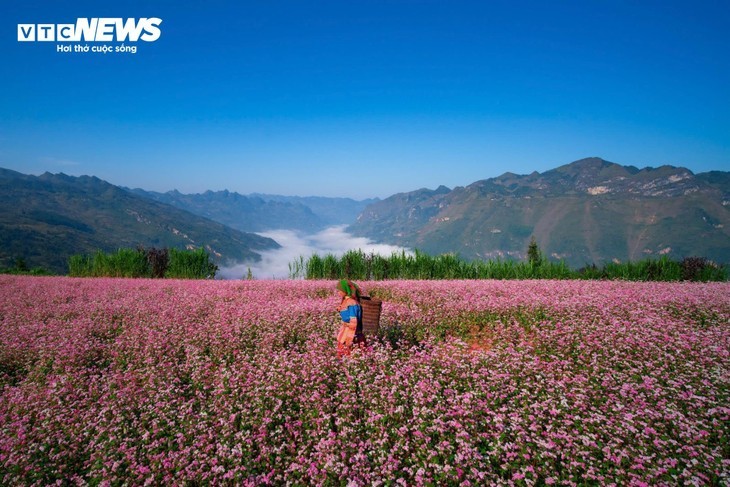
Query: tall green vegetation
point(122, 263)
point(356, 264)
point(190, 264)
point(141, 262)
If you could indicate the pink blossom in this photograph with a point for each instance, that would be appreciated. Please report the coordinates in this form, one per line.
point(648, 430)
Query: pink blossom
point(238, 382)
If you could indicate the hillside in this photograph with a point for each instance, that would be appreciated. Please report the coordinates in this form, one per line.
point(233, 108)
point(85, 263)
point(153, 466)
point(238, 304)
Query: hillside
point(244, 213)
point(45, 219)
point(263, 212)
point(589, 211)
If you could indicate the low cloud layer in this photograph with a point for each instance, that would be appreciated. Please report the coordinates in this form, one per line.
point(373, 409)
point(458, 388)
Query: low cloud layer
point(274, 264)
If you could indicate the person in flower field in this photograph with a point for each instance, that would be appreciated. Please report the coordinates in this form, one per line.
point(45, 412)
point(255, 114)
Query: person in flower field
point(351, 313)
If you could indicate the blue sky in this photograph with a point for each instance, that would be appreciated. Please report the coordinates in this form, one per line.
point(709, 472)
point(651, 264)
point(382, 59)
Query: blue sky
point(367, 98)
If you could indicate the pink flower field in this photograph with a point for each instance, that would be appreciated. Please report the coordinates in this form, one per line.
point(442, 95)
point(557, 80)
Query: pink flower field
point(161, 382)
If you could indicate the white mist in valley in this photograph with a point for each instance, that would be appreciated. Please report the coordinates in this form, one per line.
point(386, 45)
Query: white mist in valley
point(274, 264)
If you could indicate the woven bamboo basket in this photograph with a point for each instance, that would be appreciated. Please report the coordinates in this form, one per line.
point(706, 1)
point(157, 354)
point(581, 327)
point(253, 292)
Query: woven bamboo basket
point(371, 308)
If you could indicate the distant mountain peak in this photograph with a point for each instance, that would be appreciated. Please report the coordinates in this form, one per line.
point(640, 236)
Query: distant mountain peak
point(591, 161)
point(589, 164)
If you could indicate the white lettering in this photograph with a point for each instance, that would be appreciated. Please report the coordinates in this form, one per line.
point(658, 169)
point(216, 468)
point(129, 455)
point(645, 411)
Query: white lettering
point(129, 30)
point(123, 48)
point(86, 28)
point(102, 48)
point(152, 29)
point(105, 30)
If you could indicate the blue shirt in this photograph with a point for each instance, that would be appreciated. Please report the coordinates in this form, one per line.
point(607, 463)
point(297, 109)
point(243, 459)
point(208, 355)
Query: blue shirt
point(353, 311)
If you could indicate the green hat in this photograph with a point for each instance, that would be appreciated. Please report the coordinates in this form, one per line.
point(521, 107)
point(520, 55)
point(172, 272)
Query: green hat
point(349, 288)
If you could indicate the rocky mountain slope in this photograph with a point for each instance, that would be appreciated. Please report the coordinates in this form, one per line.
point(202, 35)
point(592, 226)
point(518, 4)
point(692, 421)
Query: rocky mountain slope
point(589, 211)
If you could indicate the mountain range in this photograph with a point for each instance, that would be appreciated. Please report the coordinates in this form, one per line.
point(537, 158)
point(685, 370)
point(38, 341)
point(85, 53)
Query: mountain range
point(45, 219)
point(263, 212)
point(588, 211)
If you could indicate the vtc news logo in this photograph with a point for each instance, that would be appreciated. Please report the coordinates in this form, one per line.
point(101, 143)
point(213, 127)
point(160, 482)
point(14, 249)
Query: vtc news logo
point(93, 30)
